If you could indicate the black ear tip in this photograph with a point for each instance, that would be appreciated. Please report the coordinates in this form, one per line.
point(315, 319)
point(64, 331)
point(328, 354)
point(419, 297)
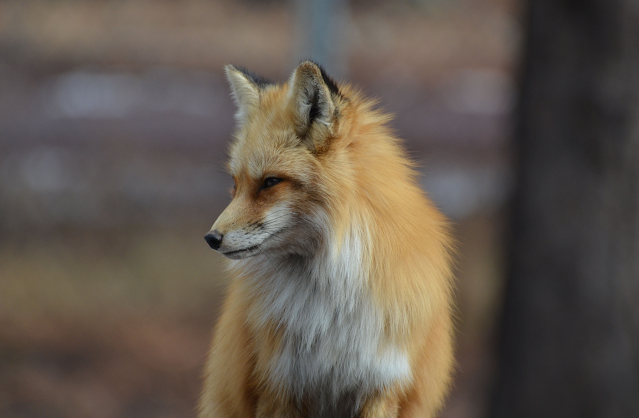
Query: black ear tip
point(309, 63)
point(251, 76)
point(328, 80)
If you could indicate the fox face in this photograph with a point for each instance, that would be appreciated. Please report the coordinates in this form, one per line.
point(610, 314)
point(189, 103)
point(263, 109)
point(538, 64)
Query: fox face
point(279, 197)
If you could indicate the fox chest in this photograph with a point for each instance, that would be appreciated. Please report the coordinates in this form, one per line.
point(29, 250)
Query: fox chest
point(332, 344)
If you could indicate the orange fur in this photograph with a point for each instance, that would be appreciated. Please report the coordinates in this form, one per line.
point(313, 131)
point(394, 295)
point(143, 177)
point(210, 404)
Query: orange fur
point(342, 296)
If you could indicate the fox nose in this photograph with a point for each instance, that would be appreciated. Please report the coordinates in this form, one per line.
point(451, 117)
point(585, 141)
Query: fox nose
point(214, 239)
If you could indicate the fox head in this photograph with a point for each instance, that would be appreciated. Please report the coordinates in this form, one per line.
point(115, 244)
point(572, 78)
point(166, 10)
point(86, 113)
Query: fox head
point(279, 161)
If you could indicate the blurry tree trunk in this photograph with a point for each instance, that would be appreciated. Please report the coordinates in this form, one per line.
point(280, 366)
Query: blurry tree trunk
point(321, 26)
point(569, 343)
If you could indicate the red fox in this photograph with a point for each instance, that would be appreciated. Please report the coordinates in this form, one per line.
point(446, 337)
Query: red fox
point(341, 298)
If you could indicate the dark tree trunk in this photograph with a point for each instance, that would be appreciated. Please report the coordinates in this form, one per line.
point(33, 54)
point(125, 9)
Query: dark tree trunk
point(569, 343)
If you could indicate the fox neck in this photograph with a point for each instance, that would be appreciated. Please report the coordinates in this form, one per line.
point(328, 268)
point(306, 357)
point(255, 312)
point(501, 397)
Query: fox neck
point(331, 331)
point(290, 287)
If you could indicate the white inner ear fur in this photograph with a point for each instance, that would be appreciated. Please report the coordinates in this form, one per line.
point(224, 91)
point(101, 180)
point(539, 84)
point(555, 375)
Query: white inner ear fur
point(245, 92)
point(307, 88)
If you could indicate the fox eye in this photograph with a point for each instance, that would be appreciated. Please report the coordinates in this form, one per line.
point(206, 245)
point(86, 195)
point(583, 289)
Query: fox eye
point(270, 182)
point(233, 189)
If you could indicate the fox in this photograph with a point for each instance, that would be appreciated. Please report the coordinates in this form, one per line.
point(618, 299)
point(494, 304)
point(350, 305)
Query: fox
point(340, 302)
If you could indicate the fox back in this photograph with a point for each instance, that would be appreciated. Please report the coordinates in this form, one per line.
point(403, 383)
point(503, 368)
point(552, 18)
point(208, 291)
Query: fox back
point(341, 299)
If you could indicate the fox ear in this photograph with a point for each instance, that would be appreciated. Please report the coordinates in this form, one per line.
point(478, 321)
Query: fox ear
point(245, 89)
point(311, 98)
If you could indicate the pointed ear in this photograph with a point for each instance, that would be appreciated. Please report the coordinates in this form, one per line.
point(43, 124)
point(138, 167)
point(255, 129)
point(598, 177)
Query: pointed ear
point(311, 100)
point(245, 91)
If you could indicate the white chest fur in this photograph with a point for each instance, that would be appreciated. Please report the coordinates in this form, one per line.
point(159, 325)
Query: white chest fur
point(333, 334)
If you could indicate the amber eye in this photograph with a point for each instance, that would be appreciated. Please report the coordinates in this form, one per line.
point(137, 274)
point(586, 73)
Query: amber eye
point(270, 182)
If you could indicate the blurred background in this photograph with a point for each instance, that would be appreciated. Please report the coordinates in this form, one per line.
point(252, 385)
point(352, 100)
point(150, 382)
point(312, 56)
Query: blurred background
point(114, 120)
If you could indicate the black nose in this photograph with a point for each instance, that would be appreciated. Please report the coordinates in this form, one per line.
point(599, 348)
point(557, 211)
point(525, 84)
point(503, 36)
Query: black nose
point(214, 239)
